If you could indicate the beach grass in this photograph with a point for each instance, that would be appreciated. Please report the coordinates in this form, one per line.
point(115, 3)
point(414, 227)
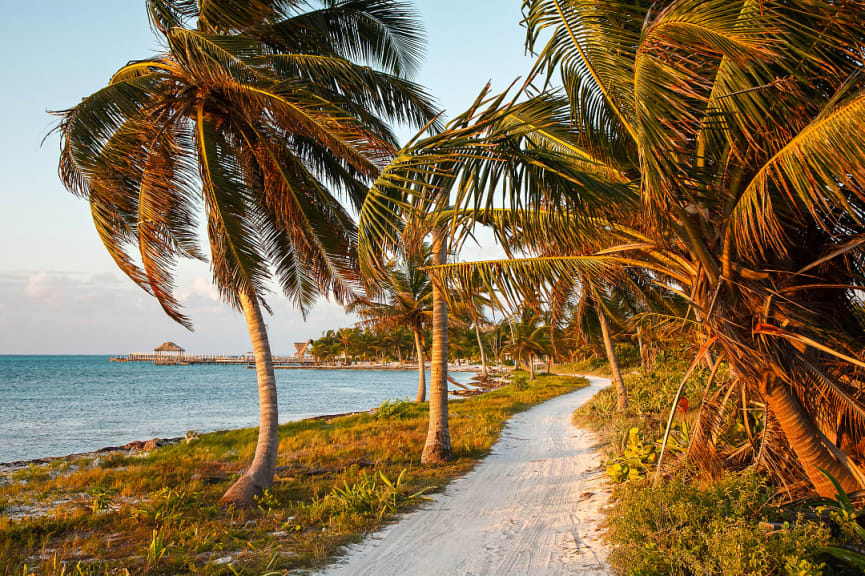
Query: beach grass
point(337, 480)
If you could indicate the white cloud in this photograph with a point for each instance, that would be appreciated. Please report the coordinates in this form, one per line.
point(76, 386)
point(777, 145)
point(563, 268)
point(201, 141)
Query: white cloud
point(68, 313)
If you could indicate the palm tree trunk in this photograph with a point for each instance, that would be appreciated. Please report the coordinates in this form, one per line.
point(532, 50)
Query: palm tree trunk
point(532, 366)
point(804, 439)
point(644, 361)
point(438, 440)
point(259, 476)
point(480, 342)
point(615, 373)
point(421, 368)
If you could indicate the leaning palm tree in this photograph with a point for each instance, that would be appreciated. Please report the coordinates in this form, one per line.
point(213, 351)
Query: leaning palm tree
point(407, 303)
point(737, 127)
point(255, 119)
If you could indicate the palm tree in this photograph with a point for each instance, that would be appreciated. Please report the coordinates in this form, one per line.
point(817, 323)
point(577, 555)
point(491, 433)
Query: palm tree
point(437, 447)
point(736, 126)
point(253, 118)
point(395, 217)
point(321, 349)
point(348, 339)
point(530, 338)
point(467, 310)
point(407, 302)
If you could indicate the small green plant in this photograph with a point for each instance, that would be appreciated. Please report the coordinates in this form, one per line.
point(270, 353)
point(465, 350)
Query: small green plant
point(157, 549)
point(267, 502)
point(376, 496)
point(520, 380)
point(847, 520)
point(100, 499)
point(165, 505)
point(637, 457)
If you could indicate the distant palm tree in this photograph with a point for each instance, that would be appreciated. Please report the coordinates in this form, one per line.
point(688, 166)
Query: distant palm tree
point(529, 338)
point(321, 350)
point(468, 312)
point(348, 338)
point(251, 119)
point(407, 302)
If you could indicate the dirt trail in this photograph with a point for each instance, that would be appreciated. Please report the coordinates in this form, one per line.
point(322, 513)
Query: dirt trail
point(533, 506)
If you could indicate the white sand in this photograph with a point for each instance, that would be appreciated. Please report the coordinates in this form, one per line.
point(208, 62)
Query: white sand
point(533, 506)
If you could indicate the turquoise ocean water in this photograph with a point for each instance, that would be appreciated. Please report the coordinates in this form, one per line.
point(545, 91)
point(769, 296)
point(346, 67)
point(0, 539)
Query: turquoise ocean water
point(58, 405)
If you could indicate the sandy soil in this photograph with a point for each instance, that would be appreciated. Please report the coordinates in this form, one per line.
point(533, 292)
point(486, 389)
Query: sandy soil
point(534, 506)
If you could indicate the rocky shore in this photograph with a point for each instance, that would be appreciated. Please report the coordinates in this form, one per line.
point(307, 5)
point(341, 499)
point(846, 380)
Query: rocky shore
point(134, 447)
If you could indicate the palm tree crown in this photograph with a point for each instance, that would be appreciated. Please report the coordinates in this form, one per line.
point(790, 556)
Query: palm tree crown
point(264, 109)
point(258, 118)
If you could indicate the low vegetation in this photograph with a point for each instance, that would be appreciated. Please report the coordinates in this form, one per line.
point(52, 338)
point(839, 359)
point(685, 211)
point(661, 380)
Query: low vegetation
point(735, 523)
point(159, 513)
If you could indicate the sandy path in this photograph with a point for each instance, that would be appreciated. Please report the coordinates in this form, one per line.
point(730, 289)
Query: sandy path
point(533, 506)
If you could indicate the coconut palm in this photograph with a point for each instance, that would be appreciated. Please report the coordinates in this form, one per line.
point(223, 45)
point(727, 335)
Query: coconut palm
point(467, 311)
point(321, 349)
point(737, 126)
point(530, 338)
point(395, 216)
point(256, 119)
point(348, 338)
point(407, 303)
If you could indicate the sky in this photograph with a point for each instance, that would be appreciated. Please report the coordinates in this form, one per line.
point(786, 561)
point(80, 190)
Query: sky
point(60, 292)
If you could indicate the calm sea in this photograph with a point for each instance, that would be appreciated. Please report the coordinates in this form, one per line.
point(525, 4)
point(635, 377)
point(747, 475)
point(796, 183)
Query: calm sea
point(58, 405)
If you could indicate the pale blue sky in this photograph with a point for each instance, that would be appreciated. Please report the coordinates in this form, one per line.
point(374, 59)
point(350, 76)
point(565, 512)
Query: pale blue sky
point(59, 290)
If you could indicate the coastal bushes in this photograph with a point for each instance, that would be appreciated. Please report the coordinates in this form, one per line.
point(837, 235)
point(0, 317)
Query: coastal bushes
point(337, 478)
point(395, 409)
point(683, 526)
point(688, 524)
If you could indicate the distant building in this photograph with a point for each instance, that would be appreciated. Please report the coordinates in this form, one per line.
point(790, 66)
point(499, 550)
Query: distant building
point(169, 348)
point(303, 349)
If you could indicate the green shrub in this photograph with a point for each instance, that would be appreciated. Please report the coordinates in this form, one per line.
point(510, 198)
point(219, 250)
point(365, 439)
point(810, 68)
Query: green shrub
point(165, 505)
point(267, 502)
point(394, 409)
point(520, 379)
point(100, 498)
point(636, 458)
point(685, 527)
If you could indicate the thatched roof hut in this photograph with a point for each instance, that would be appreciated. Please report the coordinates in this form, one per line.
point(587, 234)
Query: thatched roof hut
point(302, 347)
point(168, 347)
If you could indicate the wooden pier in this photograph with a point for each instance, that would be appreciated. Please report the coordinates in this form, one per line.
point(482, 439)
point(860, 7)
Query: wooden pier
point(218, 359)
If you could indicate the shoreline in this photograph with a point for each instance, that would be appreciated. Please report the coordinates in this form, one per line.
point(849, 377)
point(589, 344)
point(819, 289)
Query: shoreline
point(406, 368)
point(142, 446)
point(175, 491)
